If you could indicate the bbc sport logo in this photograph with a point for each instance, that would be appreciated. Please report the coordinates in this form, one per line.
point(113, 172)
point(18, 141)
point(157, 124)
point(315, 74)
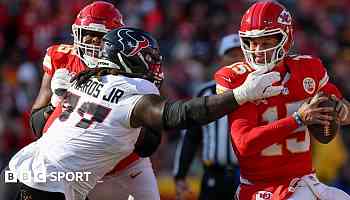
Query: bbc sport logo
point(41, 177)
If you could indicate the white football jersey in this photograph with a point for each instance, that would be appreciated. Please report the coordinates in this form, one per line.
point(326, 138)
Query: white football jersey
point(91, 134)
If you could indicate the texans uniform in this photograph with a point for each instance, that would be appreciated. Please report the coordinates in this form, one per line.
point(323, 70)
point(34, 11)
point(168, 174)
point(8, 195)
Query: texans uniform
point(131, 174)
point(90, 132)
point(273, 153)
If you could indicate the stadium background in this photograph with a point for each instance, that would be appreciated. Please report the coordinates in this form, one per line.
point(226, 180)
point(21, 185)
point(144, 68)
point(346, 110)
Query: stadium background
point(189, 32)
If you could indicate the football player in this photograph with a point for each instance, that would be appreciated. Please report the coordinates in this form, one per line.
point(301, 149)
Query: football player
point(269, 136)
point(100, 117)
point(61, 62)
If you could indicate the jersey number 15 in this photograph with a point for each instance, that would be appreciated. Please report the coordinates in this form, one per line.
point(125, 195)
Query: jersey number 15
point(292, 145)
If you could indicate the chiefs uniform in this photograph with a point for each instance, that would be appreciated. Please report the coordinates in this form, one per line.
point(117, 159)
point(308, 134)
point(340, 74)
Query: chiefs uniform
point(271, 149)
point(62, 56)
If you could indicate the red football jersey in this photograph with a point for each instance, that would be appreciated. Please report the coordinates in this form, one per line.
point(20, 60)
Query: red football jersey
point(265, 137)
point(62, 56)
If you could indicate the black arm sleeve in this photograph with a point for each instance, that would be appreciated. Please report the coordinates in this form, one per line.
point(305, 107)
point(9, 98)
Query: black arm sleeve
point(197, 111)
point(147, 142)
point(186, 151)
point(38, 119)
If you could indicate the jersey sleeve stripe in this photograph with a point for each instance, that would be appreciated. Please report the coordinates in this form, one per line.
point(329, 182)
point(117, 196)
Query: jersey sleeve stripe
point(47, 62)
point(323, 81)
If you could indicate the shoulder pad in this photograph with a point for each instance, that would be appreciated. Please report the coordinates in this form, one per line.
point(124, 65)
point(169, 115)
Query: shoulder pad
point(308, 62)
point(59, 52)
point(57, 56)
point(131, 86)
point(232, 76)
point(311, 67)
point(304, 59)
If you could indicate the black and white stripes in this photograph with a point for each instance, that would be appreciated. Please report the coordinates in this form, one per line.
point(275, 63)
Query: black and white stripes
point(217, 148)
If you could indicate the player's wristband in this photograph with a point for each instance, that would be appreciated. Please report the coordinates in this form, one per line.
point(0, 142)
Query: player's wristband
point(297, 118)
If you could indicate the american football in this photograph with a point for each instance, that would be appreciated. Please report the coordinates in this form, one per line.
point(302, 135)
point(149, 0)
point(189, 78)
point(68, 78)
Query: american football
point(325, 134)
point(174, 100)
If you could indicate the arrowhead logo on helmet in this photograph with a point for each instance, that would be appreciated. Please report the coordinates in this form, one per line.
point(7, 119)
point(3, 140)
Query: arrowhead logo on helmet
point(285, 18)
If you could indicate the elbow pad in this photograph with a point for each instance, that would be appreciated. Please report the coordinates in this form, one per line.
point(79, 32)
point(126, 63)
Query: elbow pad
point(37, 119)
point(185, 114)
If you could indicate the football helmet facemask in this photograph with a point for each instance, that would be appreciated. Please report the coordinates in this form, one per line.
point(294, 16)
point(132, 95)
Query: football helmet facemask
point(95, 19)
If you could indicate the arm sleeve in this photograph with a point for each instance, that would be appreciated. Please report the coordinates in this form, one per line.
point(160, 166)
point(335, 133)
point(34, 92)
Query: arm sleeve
point(197, 111)
point(38, 118)
point(148, 142)
point(249, 137)
point(186, 150)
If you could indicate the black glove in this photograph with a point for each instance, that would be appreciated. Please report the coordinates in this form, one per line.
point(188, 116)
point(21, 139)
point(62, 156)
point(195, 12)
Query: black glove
point(147, 142)
point(38, 118)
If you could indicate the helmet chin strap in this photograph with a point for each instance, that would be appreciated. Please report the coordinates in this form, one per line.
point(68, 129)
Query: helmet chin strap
point(90, 61)
point(268, 65)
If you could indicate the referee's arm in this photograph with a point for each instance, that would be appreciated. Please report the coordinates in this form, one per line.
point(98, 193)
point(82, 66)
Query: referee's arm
point(186, 150)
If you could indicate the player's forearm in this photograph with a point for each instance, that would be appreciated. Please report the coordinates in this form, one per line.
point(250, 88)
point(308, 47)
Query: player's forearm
point(249, 139)
point(198, 111)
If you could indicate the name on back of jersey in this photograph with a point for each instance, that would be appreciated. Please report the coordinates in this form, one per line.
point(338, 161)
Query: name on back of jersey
point(93, 88)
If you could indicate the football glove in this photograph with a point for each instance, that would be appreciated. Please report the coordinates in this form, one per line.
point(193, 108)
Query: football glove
point(258, 85)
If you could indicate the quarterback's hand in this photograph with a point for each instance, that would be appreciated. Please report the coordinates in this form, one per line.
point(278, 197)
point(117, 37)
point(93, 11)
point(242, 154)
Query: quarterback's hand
point(60, 82)
point(342, 110)
point(310, 113)
point(182, 189)
point(258, 85)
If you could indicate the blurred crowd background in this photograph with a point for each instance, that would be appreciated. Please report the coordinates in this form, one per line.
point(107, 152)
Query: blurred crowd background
point(189, 32)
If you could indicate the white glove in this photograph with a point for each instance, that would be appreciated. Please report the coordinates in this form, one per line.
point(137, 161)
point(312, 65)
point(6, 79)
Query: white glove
point(258, 85)
point(60, 82)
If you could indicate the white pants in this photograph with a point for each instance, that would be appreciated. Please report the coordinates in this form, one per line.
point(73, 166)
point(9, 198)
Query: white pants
point(310, 188)
point(137, 180)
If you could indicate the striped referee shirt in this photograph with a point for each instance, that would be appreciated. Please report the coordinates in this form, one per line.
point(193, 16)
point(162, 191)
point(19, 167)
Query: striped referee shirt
point(215, 137)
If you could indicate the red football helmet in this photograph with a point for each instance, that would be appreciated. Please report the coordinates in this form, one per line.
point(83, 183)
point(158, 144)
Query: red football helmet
point(266, 18)
point(98, 17)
